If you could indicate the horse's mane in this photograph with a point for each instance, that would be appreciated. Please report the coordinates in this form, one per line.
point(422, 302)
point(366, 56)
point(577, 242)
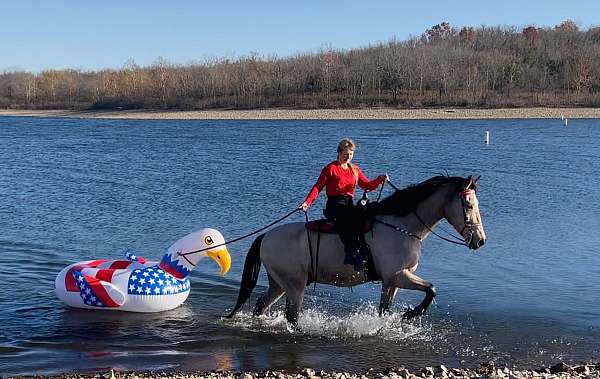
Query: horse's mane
point(405, 201)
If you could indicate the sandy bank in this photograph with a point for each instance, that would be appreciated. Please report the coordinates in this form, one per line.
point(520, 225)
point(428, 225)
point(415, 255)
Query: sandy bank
point(320, 114)
point(559, 370)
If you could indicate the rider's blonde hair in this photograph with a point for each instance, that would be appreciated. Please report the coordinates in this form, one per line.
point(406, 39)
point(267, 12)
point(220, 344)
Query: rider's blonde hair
point(346, 144)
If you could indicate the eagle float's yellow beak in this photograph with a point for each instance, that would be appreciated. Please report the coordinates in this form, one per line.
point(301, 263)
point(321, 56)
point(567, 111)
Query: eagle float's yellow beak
point(222, 258)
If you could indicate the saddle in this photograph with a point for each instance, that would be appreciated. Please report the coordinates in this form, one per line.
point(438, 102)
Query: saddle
point(365, 224)
point(327, 226)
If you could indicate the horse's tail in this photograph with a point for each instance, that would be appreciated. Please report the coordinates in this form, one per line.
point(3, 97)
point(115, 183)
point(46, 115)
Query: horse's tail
point(250, 274)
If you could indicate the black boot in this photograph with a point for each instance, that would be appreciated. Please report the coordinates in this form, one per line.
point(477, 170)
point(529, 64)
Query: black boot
point(366, 260)
point(355, 257)
point(361, 258)
point(352, 256)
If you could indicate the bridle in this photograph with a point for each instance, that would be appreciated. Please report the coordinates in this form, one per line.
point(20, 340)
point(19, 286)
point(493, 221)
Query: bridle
point(468, 224)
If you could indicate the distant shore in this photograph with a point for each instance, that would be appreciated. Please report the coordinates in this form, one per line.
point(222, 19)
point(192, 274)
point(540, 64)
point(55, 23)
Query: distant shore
point(319, 114)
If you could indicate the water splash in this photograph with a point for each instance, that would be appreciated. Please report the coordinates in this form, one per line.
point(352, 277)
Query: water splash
point(365, 322)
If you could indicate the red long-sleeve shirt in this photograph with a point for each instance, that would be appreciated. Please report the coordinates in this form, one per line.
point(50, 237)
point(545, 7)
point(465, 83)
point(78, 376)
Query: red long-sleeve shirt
point(339, 181)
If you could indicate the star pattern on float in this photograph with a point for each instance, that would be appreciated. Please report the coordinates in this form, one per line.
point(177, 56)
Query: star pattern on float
point(130, 255)
point(86, 293)
point(154, 281)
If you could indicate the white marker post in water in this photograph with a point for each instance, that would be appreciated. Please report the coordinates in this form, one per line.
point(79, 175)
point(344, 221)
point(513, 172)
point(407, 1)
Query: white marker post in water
point(566, 121)
point(487, 137)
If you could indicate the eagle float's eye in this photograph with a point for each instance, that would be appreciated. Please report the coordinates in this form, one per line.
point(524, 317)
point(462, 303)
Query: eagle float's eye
point(208, 240)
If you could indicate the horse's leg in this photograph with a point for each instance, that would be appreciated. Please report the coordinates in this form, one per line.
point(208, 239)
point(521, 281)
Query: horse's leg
point(387, 298)
point(406, 279)
point(293, 305)
point(294, 293)
point(268, 298)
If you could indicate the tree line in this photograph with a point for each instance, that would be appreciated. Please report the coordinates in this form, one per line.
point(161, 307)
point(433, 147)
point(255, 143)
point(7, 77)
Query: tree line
point(445, 66)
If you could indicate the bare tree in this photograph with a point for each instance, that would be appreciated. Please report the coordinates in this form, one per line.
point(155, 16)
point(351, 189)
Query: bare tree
point(485, 66)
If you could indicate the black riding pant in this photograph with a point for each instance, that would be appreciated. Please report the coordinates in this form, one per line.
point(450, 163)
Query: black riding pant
point(341, 210)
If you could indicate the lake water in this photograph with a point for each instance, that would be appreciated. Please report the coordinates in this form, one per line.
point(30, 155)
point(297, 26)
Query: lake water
point(73, 190)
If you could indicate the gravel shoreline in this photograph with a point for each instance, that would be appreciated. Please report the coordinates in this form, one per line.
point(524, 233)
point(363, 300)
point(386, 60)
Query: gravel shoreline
point(559, 370)
point(321, 114)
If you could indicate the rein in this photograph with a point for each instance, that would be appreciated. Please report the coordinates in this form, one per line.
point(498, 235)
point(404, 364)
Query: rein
point(399, 229)
point(456, 241)
point(396, 228)
point(184, 255)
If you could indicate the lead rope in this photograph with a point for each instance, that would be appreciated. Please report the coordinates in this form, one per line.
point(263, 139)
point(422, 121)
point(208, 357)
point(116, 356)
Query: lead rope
point(184, 255)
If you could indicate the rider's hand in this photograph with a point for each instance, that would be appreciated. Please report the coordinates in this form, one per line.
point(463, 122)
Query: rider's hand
point(384, 178)
point(303, 207)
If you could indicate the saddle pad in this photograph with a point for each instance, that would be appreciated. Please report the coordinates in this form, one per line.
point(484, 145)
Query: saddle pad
point(328, 227)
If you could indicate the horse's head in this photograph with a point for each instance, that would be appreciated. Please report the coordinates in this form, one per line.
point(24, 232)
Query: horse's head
point(183, 255)
point(462, 211)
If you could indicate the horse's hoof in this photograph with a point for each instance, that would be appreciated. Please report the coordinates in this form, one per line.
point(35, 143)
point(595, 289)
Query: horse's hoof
point(412, 313)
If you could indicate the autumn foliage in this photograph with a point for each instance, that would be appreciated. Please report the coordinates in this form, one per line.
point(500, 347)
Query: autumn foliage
point(476, 67)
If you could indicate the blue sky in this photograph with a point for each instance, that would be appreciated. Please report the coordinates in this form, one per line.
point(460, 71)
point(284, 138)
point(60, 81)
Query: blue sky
point(91, 35)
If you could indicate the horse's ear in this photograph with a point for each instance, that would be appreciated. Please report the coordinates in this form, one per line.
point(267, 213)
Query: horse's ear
point(474, 185)
point(467, 183)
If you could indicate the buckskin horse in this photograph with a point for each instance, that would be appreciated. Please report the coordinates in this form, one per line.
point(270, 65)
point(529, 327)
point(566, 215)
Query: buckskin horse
point(401, 222)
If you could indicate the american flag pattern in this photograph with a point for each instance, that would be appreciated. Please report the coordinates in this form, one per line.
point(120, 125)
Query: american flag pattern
point(88, 295)
point(101, 269)
point(130, 255)
point(174, 267)
point(134, 284)
point(94, 280)
point(155, 281)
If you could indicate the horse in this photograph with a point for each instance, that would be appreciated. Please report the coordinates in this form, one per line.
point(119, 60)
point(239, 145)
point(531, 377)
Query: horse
point(401, 222)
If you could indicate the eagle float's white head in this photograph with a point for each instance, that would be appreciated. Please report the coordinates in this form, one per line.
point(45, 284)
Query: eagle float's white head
point(183, 255)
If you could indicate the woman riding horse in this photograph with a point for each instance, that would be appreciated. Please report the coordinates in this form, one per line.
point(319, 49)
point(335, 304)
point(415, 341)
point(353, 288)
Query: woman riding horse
point(340, 178)
point(401, 222)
